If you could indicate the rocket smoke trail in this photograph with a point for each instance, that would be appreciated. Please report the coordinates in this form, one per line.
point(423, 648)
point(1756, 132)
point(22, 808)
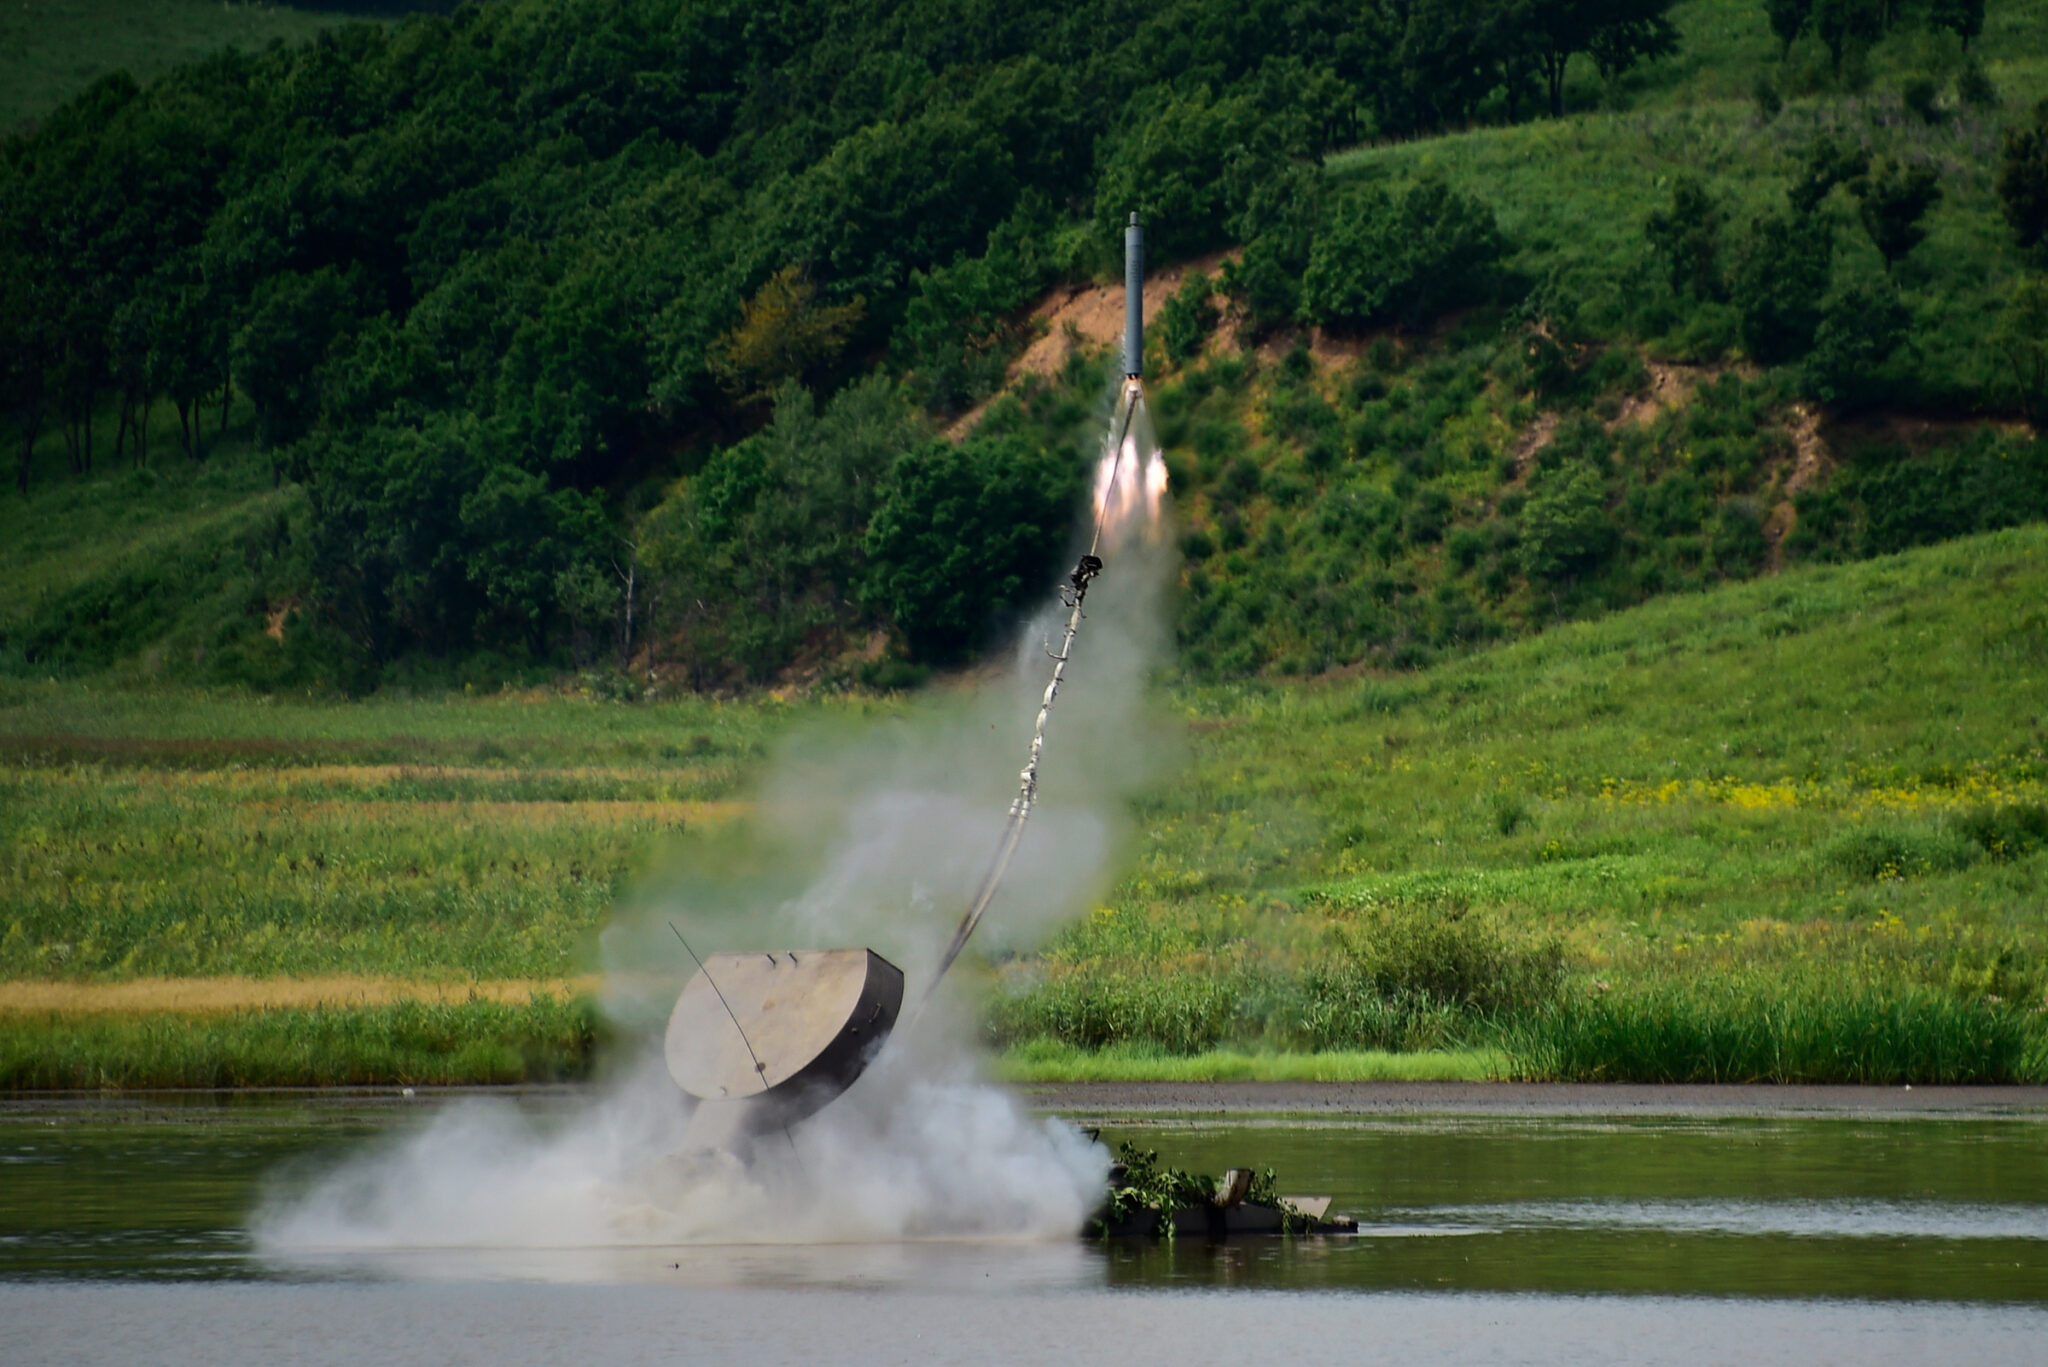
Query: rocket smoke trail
point(1130, 397)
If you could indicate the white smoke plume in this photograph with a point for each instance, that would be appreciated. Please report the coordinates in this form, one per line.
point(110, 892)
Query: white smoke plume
point(859, 837)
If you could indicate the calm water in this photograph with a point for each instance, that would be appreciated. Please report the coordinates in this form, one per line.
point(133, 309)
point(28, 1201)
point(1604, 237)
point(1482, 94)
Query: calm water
point(124, 1237)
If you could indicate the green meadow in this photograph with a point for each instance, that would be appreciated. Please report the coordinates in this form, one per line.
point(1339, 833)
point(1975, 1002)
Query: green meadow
point(51, 49)
point(1793, 829)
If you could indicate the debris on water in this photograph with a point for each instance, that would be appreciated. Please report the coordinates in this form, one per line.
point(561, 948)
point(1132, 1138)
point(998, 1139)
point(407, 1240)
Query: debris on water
point(1148, 1199)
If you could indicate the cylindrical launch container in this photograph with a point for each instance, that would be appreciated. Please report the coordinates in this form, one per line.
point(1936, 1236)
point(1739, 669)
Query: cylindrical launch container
point(1134, 299)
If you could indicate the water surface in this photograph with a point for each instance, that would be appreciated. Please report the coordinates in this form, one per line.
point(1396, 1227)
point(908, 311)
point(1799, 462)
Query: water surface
point(125, 1236)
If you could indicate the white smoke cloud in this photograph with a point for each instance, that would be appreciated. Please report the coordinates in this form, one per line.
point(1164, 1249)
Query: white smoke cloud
point(901, 1157)
point(868, 837)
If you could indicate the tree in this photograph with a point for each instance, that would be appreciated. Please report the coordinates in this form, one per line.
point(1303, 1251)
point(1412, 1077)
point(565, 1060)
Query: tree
point(1188, 317)
point(186, 356)
point(2022, 336)
point(1688, 237)
point(1407, 259)
point(1185, 163)
point(783, 334)
point(25, 356)
point(1630, 33)
point(2023, 178)
point(1566, 529)
point(1788, 19)
point(1442, 57)
point(294, 318)
point(1964, 18)
point(1828, 162)
point(1843, 25)
point(963, 533)
point(766, 544)
point(1860, 329)
point(1780, 279)
point(963, 323)
point(1616, 34)
point(1892, 199)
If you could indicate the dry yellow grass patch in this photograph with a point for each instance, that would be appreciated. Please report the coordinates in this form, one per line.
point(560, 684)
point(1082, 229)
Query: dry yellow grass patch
point(600, 812)
point(203, 996)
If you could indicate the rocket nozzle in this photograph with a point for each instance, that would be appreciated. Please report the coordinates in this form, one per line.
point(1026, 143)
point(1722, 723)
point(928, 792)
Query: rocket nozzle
point(1134, 300)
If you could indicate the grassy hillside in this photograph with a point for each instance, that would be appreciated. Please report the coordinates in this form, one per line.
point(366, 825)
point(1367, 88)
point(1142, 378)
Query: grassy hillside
point(1824, 794)
point(1574, 194)
point(52, 49)
point(1837, 775)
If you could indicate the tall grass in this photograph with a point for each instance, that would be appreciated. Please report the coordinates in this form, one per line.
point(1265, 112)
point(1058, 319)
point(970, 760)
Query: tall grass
point(1752, 1030)
point(545, 1040)
point(1048, 1061)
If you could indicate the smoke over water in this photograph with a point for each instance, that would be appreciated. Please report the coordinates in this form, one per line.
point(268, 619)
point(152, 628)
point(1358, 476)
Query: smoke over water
point(861, 835)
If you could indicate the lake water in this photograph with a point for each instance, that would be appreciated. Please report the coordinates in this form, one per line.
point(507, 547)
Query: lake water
point(125, 1236)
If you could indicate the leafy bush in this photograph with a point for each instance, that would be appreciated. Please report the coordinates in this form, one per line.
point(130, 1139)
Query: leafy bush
point(2008, 831)
point(1187, 163)
point(962, 323)
point(1565, 528)
point(1188, 317)
point(768, 539)
point(1892, 199)
point(1860, 330)
point(1688, 238)
point(963, 533)
point(1440, 951)
point(1382, 258)
point(1780, 280)
point(2023, 178)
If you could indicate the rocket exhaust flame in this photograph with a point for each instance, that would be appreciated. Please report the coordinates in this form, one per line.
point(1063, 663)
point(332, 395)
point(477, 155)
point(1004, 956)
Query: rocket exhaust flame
point(1130, 476)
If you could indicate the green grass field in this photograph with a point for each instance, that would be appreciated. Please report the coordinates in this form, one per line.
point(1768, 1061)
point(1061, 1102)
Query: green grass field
point(1573, 193)
point(1788, 829)
point(52, 49)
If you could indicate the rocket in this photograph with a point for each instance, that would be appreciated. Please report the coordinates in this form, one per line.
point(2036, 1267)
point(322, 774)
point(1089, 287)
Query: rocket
point(1134, 300)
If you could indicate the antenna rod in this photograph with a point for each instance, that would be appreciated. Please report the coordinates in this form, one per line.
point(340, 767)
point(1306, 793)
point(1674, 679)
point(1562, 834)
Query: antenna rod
point(760, 1068)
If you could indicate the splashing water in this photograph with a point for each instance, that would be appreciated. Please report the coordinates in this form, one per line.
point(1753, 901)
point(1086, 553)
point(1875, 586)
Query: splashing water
point(904, 1157)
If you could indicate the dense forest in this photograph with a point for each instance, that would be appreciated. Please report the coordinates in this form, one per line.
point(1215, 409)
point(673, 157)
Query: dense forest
point(580, 333)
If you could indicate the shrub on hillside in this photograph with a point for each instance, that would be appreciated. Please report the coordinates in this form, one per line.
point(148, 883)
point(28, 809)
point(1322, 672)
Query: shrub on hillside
point(1974, 86)
point(2022, 338)
point(1859, 331)
point(1888, 499)
point(1687, 238)
point(1566, 530)
point(1780, 280)
point(2023, 178)
point(1387, 259)
point(1188, 317)
point(1891, 201)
